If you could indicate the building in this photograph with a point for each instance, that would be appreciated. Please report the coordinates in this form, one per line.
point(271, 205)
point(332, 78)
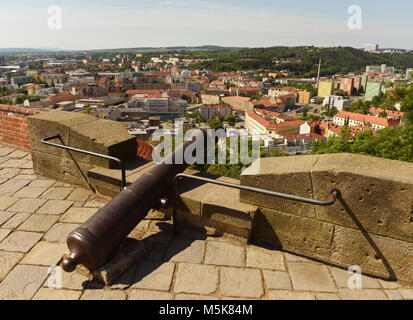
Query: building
point(372, 47)
point(304, 97)
point(409, 74)
point(209, 111)
point(373, 89)
point(347, 85)
point(338, 102)
point(263, 122)
point(380, 69)
point(325, 88)
point(356, 119)
point(20, 80)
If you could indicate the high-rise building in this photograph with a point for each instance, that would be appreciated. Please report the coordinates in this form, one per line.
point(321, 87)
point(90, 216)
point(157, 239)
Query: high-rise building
point(372, 47)
point(373, 89)
point(325, 88)
point(409, 74)
point(347, 85)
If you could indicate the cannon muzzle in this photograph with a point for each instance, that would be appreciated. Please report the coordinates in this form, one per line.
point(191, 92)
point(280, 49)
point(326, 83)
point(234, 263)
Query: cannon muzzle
point(95, 241)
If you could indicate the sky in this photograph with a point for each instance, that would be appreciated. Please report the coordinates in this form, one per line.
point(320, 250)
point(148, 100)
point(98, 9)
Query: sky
point(104, 24)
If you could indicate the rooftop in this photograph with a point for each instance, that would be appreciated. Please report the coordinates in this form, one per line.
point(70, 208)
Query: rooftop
point(38, 213)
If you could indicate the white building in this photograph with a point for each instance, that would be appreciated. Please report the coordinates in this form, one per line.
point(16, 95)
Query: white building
point(336, 101)
point(372, 47)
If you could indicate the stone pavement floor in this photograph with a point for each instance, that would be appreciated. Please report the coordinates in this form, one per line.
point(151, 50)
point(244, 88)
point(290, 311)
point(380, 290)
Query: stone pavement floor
point(37, 214)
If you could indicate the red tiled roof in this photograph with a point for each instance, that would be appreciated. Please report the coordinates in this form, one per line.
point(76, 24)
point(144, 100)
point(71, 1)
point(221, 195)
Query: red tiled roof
point(144, 150)
point(269, 125)
point(367, 119)
point(390, 113)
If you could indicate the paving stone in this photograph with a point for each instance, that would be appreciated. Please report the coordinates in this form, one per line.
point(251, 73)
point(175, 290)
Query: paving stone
point(79, 194)
point(55, 294)
point(126, 280)
point(94, 204)
point(149, 295)
point(327, 296)
point(407, 294)
point(26, 177)
point(6, 202)
point(27, 165)
point(241, 283)
point(4, 233)
point(45, 254)
point(78, 215)
point(55, 207)
point(7, 262)
point(38, 223)
point(393, 295)
point(16, 220)
point(5, 151)
point(103, 295)
point(46, 183)
point(72, 281)
point(20, 241)
point(13, 163)
point(289, 257)
point(30, 192)
point(8, 173)
point(389, 284)
point(224, 254)
point(190, 297)
point(27, 205)
point(185, 250)
point(59, 232)
point(277, 280)
point(265, 259)
point(12, 186)
point(18, 154)
point(57, 193)
point(290, 295)
point(342, 276)
point(311, 277)
point(195, 278)
point(364, 294)
point(154, 275)
point(22, 282)
point(5, 215)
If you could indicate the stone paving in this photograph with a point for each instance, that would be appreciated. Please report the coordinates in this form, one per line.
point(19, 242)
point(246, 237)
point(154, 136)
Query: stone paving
point(37, 214)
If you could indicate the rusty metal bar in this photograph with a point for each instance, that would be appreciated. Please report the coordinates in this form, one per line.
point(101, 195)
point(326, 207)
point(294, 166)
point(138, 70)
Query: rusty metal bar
point(120, 162)
point(178, 177)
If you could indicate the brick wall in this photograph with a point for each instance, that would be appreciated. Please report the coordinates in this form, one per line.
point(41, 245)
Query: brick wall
point(13, 126)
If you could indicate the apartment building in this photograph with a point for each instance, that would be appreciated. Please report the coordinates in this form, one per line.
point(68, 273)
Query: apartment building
point(209, 111)
point(356, 119)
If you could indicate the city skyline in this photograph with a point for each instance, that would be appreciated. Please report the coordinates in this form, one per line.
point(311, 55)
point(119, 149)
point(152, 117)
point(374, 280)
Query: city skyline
point(131, 24)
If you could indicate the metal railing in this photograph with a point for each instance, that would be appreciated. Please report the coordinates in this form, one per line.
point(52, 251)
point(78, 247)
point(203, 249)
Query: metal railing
point(335, 193)
point(120, 162)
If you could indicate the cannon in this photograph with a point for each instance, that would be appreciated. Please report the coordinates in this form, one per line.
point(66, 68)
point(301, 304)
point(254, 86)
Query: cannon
point(92, 243)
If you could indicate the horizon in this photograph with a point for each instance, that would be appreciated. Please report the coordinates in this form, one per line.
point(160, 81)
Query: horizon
point(104, 25)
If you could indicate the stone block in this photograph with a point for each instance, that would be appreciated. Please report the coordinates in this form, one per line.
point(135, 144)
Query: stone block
point(45, 254)
point(154, 275)
point(149, 295)
point(244, 283)
point(20, 241)
point(55, 294)
point(262, 258)
point(50, 124)
point(377, 255)
point(290, 295)
point(291, 176)
point(7, 262)
point(311, 277)
point(224, 254)
point(186, 250)
point(94, 137)
point(366, 294)
point(38, 223)
point(294, 233)
point(277, 280)
point(195, 278)
point(377, 192)
point(22, 282)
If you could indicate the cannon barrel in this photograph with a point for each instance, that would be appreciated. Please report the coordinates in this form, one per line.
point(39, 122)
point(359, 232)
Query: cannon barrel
point(92, 243)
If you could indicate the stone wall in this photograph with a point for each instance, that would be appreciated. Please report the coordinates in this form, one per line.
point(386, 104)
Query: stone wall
point(81, 131)
point(13, 126)
point(371, 224)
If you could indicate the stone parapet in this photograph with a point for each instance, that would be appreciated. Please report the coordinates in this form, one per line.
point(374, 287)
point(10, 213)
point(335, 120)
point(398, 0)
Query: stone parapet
point(81, 131)
point(370, 225)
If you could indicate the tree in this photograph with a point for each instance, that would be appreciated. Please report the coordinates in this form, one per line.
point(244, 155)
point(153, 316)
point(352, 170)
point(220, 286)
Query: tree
point(230, 119)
